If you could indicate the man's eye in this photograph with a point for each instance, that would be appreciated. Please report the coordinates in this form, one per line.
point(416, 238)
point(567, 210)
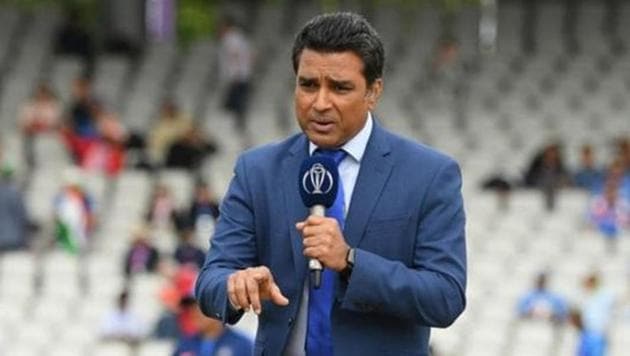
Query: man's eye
point(307, 84)
point(341, 88)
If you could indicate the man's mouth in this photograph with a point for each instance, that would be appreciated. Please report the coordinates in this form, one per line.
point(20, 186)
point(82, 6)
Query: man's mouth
point(322, 125)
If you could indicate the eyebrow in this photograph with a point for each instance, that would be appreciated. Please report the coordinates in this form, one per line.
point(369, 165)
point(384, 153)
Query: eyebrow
point(315, 78)
point(342, 83)
point(303, 79)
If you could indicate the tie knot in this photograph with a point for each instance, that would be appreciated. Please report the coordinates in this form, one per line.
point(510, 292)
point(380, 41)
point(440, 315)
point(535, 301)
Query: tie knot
point(336, 155)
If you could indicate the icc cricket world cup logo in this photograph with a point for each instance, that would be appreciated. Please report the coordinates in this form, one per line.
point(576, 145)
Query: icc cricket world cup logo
point(317, 180)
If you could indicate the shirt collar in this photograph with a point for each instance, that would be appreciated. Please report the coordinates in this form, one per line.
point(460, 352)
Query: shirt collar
point(356, 146)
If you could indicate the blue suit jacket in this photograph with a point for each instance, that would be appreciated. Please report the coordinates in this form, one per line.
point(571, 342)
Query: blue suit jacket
point(406, 221)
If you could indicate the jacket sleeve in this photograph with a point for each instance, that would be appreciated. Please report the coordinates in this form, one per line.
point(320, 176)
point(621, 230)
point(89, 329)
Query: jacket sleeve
point(232, 248)
point(432, 290)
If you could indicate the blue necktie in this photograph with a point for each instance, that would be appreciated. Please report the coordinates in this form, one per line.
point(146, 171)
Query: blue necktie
point(318, 333)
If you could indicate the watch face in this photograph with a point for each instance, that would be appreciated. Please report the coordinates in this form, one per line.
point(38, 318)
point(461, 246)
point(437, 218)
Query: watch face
point(346, 272)
point(351, 257)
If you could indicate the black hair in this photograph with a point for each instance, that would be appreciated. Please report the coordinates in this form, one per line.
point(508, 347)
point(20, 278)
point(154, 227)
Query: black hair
point(339, 32)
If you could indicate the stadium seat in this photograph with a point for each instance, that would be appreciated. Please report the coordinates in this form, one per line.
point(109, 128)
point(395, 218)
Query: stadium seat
point(156, 348)
point(111, 349)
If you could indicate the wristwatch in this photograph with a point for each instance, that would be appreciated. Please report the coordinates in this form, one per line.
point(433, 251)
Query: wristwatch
point(346, 272)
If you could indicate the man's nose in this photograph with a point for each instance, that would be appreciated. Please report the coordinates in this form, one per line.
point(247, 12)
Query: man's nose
point(322, 100)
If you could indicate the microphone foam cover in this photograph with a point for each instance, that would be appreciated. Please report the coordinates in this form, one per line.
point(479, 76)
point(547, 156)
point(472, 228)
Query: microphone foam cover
point(318, 181)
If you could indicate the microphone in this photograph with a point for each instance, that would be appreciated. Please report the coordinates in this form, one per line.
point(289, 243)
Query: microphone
point(318, 184)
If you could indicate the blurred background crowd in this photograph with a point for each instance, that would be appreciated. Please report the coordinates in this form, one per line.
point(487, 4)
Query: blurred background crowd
point(120, 122)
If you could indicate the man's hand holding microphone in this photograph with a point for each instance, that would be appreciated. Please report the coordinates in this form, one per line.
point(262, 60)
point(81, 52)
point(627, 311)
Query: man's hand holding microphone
point(323, 240)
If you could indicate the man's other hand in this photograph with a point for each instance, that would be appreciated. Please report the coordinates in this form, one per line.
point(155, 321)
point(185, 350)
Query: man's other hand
point(247, 288)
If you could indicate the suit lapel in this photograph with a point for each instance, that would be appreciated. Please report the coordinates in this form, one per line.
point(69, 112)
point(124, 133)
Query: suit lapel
point(295, 209)
point(376, 167)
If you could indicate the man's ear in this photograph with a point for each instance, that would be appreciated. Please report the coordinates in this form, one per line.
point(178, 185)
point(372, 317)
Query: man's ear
point(374, 93)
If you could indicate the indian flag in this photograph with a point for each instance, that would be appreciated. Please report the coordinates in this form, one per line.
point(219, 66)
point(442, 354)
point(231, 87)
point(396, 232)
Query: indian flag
point(71, 221)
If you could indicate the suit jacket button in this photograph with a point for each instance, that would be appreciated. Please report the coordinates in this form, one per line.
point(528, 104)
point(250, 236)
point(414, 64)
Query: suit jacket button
point(291, 320)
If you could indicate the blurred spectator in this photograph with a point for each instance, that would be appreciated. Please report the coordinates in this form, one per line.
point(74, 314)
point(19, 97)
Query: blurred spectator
point(142, 256)
point(171, 127)
point(623, 153)
point(136, 154)
point(41, 114)
point(161, 211)
point(588, 176)
point(542, 304)
point(547, 168)
point(105, 152)
point(173, 323)
point(73, 213)
point(609, 211)
point(13, 216)
point(166, 326)
point(622, 172)
point(81, 116)
point(619, 175)
point(235, 69)
point(596, 312)
point(589, 343)
point(187, 252)
point(81, 127)
point(547, 172)
point(204, 206)
point(181, 283)
point(213, 337)
point(190, 151)
point(122, 324)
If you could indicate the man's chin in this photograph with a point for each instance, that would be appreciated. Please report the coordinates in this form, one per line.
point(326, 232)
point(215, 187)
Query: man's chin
point(324, 141)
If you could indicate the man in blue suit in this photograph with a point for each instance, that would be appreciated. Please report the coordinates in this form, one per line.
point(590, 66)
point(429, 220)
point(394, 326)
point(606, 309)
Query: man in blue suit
point(396, 253)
